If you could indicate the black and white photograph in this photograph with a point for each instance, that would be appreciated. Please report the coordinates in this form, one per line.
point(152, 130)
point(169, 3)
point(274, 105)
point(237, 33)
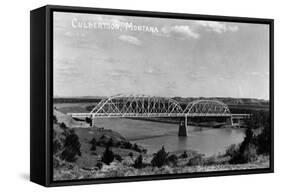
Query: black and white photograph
point(150, 96)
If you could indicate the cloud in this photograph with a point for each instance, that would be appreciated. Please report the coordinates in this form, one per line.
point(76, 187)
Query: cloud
point(130, 39)
point(192, 31)
point(218, 27)
point(119, 72)
point(258, 74)
point(197, 76)
point(152, 71)
point(83, 43)
point(180, 31)
point(74, 34)
point(66, 66)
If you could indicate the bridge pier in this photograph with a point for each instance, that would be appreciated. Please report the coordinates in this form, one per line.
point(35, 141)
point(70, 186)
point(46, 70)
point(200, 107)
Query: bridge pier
point(229, 121)
point(183, 129)
point(92, 122)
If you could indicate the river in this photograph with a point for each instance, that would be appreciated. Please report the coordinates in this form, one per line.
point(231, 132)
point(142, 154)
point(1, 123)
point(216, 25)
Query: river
point(153, 135)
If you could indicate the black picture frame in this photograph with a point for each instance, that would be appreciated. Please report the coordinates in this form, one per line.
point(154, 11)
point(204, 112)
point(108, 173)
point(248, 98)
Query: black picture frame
point(41, 93)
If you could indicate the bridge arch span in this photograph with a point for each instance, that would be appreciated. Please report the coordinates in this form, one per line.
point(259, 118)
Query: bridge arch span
point(136, 105)
point(207, 107)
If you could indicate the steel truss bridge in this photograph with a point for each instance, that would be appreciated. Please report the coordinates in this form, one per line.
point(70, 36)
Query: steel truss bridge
point(142, 106)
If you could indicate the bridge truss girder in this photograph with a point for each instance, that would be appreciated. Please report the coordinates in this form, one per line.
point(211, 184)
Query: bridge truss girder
point(146, 106)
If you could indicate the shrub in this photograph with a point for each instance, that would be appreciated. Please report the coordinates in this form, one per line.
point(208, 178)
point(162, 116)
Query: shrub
point(55, 120)
point(68, 154)
point(136, 148)
point(108, 156)
point(99, 165)
point(232, 151)
point(93, 142)
point(57, 146)
point(194, 161)
point(118, 157)
point(144, 151)
point(131, 155)
point(118, 144)
point(138, 162)
point(102, 141)
point(213, 160)
point(63, 126)
point(250, 153)
point(127, 145)
point(159, 158)
point(173, 159)
point(56, 162)
point(236, 158)
point(184, 155)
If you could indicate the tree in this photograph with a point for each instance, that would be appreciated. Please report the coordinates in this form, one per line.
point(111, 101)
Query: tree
point(118, 157)
point(131, 155)
point(99, 165)
point(138, 162)
point(252, 145)
point(63, 126)
point(56, 145)
point(257, 119)
point(127, 145)
point(71, 147)
point(93, 142)
point(108, 155)
point(184, 155)
point(55, 120)
point(263, 140)
point(69, 154)
point(110, 142)
point(72, 141)
point(245, 150)
point(247, 140)
point(159, 158)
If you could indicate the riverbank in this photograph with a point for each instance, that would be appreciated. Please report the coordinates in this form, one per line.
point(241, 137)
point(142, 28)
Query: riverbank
point(126, 168)
point(125, 154)
point(90, 166)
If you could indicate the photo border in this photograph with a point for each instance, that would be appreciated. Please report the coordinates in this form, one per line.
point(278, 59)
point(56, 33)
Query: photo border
point(50, 9)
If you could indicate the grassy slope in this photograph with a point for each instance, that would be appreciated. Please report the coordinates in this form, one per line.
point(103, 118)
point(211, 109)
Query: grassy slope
point(89, 158)
point(125, 168)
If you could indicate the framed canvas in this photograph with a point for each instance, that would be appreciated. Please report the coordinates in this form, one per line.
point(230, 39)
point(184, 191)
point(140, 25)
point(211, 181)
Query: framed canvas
point(122, 95)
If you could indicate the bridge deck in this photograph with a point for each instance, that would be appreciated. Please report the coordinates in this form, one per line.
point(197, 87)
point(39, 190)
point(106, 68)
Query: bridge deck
point(120, 115)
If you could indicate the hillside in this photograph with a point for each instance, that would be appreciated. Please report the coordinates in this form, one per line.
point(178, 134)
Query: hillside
point(68, 120)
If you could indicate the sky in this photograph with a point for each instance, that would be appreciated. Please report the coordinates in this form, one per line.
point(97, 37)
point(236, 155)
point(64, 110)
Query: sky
point(105, 55)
